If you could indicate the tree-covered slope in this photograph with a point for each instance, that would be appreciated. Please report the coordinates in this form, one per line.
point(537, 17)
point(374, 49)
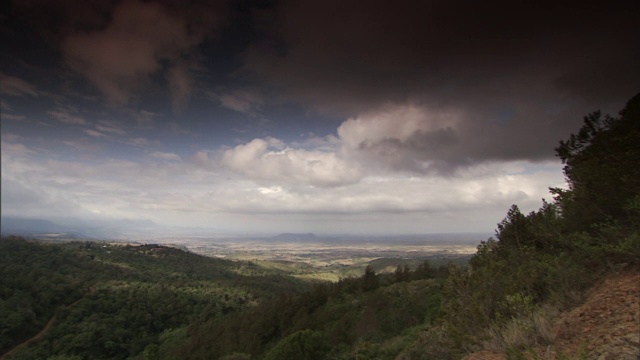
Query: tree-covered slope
point(548, 258)
point(116, 301)
point(353, 316)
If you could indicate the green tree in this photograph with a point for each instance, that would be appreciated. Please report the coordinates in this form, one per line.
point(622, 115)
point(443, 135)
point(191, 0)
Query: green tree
point(402, 273)
point(559, 250)
point(424, 271)
point(301, 345)
point(369, 281)
point(602, 169)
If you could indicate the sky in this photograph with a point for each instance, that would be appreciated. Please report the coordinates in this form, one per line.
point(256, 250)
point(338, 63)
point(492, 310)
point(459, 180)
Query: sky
point(333, 117)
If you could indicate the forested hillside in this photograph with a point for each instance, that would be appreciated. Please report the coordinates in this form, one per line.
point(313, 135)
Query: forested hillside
point(543, 261)
point(154, 302)
point(368, 313)
point(538, 264)
point(114, 301)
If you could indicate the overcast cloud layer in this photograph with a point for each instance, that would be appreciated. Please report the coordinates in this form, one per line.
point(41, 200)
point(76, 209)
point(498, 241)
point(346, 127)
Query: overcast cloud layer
point(331, 117)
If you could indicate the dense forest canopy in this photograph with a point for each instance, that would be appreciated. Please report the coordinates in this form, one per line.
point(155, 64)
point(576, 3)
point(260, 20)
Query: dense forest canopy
point(112, 301)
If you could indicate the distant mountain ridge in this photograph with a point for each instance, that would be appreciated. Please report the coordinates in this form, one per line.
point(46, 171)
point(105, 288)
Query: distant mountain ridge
point(9, 225)
point(296, 237)
point(111, 228)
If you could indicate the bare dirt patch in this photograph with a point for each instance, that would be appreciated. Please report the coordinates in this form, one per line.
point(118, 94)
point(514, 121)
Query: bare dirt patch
point(607, 324)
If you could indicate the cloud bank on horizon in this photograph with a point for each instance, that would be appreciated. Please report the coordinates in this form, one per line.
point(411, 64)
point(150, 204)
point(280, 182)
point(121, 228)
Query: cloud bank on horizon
point(361, 117)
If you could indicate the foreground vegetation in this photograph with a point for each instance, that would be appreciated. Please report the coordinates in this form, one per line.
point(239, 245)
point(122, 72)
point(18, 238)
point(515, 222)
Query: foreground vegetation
point(153, 302)
point(544, 260)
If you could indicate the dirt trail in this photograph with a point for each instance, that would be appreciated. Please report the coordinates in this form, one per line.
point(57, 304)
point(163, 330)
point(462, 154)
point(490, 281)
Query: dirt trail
point(30, 340)
point(44, 330)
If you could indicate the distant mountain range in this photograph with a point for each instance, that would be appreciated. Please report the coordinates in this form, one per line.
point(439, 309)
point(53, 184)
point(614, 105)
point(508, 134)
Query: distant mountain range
point(296, 237)
point(137, 229)
point(72, 227)
point(20, 226)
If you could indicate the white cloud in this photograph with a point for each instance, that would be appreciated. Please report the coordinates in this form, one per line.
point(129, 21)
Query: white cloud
point(245, 101)
point(14, 149)
point(404, 138)
point(376, 143)
point(13, 117)
point(407, 140)
point(138, 142)
point(93, 133)
point(166, 156)
point(109, 127)
point(400, 194)
point(82, 145)
point(67, 117)
point(201, 158)
point(180, 193)
point(392, 122)
point(11, 85)
point(269, 160)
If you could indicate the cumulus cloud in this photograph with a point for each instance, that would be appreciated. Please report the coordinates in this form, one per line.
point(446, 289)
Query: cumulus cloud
point(270, 160)
point(391, 139)
point(402, 137)
point(277, 187)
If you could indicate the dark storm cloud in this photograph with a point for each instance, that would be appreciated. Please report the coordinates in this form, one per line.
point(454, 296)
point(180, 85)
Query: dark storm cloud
point(521, 75)
point(409, 154)
point(119, 45)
